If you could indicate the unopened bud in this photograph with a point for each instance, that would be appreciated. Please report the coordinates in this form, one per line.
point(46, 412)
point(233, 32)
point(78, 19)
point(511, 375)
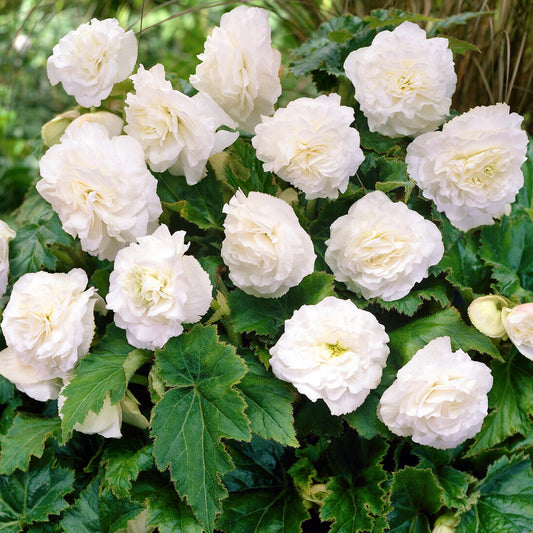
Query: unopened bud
point(52, 131)
point(445, 523)
point(110, 121)
point(486, 315)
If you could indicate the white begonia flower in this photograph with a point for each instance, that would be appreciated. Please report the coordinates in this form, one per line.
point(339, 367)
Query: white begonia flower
point(155, 287)
point(177, 132)
point(403, 81)
point(239, 68)
point(311, 145)
point(332, 350)
point(265, 248)
point(471, 169)
point(48, 325)
point(6, 235)
point(439, 398)
point(107, 422)
point(518, 323)
point(382, 248)
point(88, 61)
point(100, 187)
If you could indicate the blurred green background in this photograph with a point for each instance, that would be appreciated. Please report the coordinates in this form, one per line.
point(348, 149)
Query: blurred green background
point(173, 33)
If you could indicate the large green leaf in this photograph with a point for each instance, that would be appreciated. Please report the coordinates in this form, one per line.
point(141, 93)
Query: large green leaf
point(204, 407)
point(95, 512)
point(416, 497)
point(269, 404)
point(357, 499)
point(26, 438)
point(505, 500)
point(27, 497)
point(165, 509)
point(266, 315)
point(106, 370)
point(262, 497)
point(511, 401)
point(407, 340)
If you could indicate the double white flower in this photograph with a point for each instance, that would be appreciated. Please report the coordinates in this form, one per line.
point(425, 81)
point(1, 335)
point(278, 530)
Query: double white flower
point(155, 288)
point(311, 145)
point(439, 397)
point(382, 248)
point(471, 169)
point(178, 133)
point(333, 351)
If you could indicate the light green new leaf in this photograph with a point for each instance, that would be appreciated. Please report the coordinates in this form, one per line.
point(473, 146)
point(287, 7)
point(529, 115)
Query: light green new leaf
point(26, 438)
point(511, 401)
point(266, 315)
point(95, 512)
point(407, 340)
point(192, 417)
point(505, 500)
point(269, 404)
point(106, 370)
point(165, 509)
point(27, 497)
point(416, 497)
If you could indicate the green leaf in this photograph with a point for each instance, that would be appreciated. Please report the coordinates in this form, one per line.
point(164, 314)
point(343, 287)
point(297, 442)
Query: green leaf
point(407, 340)
point(7, 390)
point(93, 512)
point(106, 370)
point(122, 462)
point(165, 509)
point(416, 497)
point(31, 249)
point(27, 497)
point(26, 438)
point(507, 248)
point(357, 499)
point(245, 171)
point(269, 404)
point(457, 46)
point(505, 500)
point(511, 401)
point(204, 408)
point(262, 497)
point(266, 315)
point(200, 204)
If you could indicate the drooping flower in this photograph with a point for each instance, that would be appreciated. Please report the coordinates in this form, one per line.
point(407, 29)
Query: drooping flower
point(439, 398)
point(100, 187)
point(403, 81)
point(382, 248)
point(155, 288)
point(265, 248)
point(332, 350)
point(471, 169)
point(518, 323)
point(239, 68)
point(48, 325)
point(311, 145)
point(178, 133)
point(88, 61)
point(6, 235)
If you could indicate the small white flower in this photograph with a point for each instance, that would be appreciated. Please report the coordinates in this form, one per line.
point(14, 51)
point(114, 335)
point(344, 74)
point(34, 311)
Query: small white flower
point(6, 234)
point(107, 422)
point(439, 397)
point(310, 144)
point(403, 81)
point(239, 68)
point(382, 248)
point(177, 132)
point(518, 323)
point(266, 249)
point(100, 187)
point(155, 287)
point(332, 350)
point(88, 61)
point(48, 325)
point(471, 169)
